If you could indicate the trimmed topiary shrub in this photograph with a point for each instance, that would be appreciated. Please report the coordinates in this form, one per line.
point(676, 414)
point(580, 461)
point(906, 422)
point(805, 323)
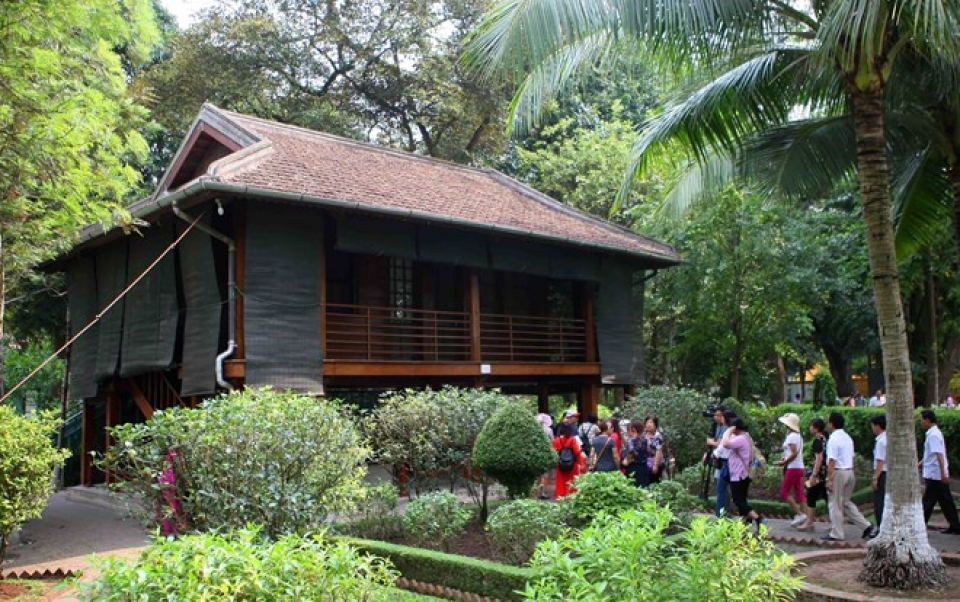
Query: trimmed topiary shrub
point(281, 460)
point(518, 526)
point(242, 566)
point(434, 519)
point(27, 460)
point(511, 448)
point(640, 556)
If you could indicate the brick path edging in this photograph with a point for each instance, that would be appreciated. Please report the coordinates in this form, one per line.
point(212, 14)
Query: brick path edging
point(810, 592)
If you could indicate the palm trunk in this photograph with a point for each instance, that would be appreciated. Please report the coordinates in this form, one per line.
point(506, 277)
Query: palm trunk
point(901, 556)
point(953, 170)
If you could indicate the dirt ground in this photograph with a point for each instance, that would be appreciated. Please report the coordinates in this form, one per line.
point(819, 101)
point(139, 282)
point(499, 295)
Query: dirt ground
point(842, 575)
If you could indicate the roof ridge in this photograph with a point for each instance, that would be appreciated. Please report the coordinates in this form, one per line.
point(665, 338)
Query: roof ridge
point(373, 146)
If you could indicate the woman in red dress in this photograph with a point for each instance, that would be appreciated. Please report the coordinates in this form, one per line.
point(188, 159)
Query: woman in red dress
point(566, 438)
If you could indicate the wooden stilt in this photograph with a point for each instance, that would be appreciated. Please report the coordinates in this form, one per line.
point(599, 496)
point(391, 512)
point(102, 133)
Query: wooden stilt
point(543, 398)
point(589, 398)
point(113, 415)
point(86, 446)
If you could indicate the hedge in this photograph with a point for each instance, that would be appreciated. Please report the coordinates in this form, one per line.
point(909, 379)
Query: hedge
point(856, 424)
point(482, 577)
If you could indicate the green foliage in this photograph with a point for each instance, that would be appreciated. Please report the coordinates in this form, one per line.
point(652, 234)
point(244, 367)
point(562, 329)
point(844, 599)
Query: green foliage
point(607, 493)
point(512, 449)
point(375, 517)
point(824, 389)
point(679, 412)
point(637, 556)
point(434, 519)
point(432, 432)
point(280, 460)
point(43, 390)
point(518, 526)
point(68, 120)
point(241, 565)
point(27, 460)
point(481, 577)
point(674, 495)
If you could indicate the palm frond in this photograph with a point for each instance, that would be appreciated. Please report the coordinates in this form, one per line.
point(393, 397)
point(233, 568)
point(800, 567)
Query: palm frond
point(922, 199)
point(804, 158)
point(550, 76)
point(701, 181)
point(724, 112)
point(517, 34)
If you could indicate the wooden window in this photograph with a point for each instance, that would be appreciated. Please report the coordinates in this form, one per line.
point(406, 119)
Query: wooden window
point(401, 286)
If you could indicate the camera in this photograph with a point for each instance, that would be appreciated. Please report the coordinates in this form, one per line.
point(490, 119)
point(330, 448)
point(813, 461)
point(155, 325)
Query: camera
point(710, 410)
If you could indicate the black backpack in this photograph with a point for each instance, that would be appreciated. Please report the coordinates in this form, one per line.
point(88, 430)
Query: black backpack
point(566, 459)
point(584, 437)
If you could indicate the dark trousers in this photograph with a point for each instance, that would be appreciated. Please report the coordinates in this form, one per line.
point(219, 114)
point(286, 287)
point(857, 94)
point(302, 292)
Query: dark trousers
point(938, 492)
point(738, 491)
point(878, 495)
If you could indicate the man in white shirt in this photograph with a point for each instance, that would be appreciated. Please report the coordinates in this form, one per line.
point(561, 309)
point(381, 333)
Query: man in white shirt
point(878, 400)
point(879, 482)
point(840, 481)
point(936, 474)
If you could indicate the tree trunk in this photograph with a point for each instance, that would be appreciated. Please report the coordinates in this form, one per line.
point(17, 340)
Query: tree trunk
point(953, 171)
point(949, 364)
point(901, 556)
point(839, 364)
point(781, 381)
point(3, 338)
point(933, 354)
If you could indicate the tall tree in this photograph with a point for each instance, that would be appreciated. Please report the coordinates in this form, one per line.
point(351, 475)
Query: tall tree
point(776, 58)
point(379, 70)
point(68, 125)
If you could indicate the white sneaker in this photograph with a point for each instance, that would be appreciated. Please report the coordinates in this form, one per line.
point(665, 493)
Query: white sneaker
point(798, 520)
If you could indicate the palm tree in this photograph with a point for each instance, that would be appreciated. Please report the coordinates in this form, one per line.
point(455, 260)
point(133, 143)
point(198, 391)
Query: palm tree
point(768, 58)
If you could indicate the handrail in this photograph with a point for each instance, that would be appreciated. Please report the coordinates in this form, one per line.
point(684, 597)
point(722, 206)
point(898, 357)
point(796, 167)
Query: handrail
point(372, 333)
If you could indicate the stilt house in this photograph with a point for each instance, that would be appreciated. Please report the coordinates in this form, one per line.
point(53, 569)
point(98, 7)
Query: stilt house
point(329, 266)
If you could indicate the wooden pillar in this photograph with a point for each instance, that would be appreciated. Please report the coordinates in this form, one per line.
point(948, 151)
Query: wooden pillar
point(543, 398)
point(240, 239)
point(86, 445)
point(589, 398)
point(472, 303)
point(113, 418)
point(589, 324)
point(323, 302)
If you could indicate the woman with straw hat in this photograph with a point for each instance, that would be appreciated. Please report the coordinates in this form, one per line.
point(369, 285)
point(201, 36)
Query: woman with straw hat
point(791, 489)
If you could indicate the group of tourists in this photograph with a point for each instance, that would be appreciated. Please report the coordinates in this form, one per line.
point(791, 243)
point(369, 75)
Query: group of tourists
point(831, 477)
point(635, 449)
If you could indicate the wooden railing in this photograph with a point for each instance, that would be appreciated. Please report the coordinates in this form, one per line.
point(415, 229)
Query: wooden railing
point(363, 333)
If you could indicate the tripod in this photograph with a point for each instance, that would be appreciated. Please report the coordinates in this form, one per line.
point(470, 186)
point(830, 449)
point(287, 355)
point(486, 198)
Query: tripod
point(706, 475)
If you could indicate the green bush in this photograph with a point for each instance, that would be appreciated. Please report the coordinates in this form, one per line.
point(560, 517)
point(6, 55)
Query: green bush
point(27, 460)
point(432, 432)
point(673, 495)
point(481, 577)
point(518, 526)
point(375, 517)
point(638, 556)
point(511, 448)
point(242, 566)
point(603, 492)
point(280, 460)
point(679, 412)
point(434, 519)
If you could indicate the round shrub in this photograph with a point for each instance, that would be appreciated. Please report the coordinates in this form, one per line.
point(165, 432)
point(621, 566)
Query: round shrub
point(512, 449)
point(435, 519)
point(603, 492)
point(27, 460)
point(242, 566)
point(280, 460)
point(640, 555)
point(518, 526)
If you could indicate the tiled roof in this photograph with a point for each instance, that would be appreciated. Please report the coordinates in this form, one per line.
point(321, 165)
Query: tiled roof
point(301, 161)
